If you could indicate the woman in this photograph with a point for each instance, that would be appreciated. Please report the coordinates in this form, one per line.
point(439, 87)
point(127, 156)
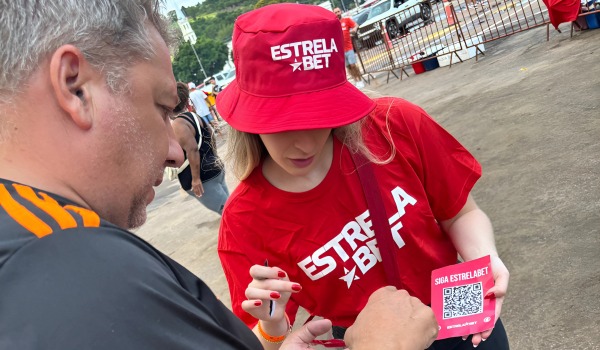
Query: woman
point(300, 206)
point(202, 175)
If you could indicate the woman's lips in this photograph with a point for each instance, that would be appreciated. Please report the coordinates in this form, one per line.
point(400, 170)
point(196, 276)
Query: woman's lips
point(302, 163)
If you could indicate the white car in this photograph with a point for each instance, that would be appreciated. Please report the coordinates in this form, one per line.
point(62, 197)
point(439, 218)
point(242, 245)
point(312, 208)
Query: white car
point(222, 79)
point(398, 16)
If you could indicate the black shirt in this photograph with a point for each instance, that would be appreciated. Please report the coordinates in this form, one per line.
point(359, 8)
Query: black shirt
point(210, 164)
point(70, 280)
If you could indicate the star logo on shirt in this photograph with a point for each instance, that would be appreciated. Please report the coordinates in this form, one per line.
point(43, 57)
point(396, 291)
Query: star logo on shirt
point(350, 276)
point(296, 65)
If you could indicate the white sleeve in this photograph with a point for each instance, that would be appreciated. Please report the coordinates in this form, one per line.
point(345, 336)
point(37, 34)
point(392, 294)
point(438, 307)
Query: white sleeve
point(197, 120)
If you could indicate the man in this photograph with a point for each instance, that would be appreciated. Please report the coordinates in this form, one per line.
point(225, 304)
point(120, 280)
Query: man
point(349, 28)
point(212, 92)
point(71, 275)
point(199, 100)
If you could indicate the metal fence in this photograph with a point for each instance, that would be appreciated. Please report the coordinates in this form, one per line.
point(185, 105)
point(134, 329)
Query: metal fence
point(451, 30)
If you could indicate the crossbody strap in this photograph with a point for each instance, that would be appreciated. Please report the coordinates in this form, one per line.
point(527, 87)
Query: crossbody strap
point(379, 219)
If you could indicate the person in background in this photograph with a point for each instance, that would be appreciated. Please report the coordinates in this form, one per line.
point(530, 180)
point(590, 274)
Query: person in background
point(199, 101)
point(212, 91)
point(71, 274)
point(204, 176)
point(349, 28)
point(297, 128)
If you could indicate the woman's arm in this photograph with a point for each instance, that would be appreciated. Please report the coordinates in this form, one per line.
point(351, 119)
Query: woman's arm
point(186, 136)
point(473, 236)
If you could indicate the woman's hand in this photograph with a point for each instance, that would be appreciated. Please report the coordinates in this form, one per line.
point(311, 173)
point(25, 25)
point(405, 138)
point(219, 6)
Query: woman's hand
point(269, 284)
point(473, 236)
point(197, 187)
point(498, 291)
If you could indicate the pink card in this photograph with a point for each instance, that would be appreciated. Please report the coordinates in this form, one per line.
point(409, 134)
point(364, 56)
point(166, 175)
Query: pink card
point(457, 298)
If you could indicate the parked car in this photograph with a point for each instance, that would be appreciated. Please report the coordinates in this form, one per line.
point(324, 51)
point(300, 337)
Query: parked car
point(362, 16)
point(222, 79)
point(398, 16)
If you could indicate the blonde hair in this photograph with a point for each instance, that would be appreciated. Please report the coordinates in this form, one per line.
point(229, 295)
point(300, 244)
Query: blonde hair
point(245, 150)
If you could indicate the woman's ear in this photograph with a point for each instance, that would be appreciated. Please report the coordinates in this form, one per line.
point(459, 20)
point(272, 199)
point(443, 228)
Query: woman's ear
point(71, 76)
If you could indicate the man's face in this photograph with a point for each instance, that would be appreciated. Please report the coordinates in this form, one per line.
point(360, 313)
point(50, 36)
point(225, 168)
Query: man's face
point(338, 13)
point(139, 140)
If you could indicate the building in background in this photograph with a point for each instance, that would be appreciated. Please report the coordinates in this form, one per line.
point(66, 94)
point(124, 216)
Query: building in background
point(186, 28)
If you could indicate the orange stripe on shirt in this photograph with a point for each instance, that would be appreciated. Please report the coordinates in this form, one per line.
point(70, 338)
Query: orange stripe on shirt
point(22, 215)
point(49, 205)
point(90, 218)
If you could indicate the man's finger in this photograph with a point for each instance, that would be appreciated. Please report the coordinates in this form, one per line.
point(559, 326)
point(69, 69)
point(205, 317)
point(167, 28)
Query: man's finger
point(309, 332)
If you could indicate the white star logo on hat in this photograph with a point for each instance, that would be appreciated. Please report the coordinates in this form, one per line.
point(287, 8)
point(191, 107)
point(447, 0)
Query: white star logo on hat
point(296, 65)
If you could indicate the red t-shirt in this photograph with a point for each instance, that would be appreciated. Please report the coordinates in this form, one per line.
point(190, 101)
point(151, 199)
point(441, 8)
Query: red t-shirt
point(347, 23)
point(322, 238)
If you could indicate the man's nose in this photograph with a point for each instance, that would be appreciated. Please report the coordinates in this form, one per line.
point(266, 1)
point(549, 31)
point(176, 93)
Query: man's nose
point(175, 154)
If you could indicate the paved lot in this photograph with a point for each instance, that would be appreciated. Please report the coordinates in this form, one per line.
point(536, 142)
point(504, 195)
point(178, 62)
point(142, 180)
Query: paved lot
point(530, 112)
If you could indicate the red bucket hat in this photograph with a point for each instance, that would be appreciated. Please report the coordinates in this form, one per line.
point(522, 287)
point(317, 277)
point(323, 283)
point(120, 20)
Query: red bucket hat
point(290, 73)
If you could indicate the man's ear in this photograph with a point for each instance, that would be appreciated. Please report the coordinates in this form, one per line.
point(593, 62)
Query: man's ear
point(71, 76)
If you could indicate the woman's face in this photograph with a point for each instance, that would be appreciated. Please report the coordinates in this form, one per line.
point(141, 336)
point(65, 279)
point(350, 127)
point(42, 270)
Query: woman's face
point(298, 153)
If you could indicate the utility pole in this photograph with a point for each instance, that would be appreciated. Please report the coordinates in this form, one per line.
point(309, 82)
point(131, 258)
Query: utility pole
point(199, 62)
point(188, 35)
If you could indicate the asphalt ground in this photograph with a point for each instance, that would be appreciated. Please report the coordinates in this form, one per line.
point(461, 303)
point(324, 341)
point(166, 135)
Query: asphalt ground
point(529, 110)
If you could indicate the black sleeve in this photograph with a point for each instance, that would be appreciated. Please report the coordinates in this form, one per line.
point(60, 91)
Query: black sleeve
point(107, 289)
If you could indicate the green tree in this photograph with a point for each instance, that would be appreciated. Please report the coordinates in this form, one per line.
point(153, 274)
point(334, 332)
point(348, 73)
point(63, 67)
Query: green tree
point(172, 16)
point(212, 21)
point(212, 53)
point(262, 3)
point(212, 6)
point(218, 27)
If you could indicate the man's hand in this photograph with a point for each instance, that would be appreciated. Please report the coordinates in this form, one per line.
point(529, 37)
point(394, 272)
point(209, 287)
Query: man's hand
point(392, 319)
point(301, 338)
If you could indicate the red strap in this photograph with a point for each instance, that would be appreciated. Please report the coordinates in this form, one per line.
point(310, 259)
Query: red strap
point(309, 318)
point(383, 234)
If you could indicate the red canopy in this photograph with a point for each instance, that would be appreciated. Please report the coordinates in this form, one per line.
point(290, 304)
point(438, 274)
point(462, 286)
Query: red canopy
point(562, 11)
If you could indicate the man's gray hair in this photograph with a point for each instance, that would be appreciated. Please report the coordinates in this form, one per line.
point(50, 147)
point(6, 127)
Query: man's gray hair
point(110, 33)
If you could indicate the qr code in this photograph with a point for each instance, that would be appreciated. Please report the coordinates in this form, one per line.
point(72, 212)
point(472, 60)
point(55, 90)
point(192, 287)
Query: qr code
point(463, 300)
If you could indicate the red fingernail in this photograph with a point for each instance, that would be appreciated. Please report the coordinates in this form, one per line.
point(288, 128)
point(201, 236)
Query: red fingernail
point(258, 303)
point(281, 274)
point(296, 287)
point(275, 295)
point(490, 295)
